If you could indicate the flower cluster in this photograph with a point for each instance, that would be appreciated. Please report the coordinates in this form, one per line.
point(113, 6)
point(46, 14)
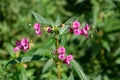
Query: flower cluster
point(61, 55)
point(37, 28)
point(22, 45)
point(77, 31)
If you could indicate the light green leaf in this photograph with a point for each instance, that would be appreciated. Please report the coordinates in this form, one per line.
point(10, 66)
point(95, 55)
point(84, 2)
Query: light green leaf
point(118, 60)
point(64, 29)
point(64, 40)
point(58, 21)
point(40, 18)
point(78, 70)
point(10, 50)
point(47, 65)
point(22, 74)
point(71, 77)
point(49, 42)
point(106, 45)
point(69, 21)
point(117, 52)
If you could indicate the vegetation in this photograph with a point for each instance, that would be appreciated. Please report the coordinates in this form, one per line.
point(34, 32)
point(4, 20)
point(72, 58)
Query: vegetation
point(97, 56)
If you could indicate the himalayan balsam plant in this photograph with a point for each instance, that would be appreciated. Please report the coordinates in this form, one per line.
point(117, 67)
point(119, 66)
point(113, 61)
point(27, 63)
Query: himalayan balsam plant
point(57, 29)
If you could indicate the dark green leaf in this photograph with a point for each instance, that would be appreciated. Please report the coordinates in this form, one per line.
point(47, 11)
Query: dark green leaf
point(78, 70)
point(25, 59)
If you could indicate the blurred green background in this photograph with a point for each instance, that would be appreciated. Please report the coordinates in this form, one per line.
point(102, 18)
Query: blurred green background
point(99, 56)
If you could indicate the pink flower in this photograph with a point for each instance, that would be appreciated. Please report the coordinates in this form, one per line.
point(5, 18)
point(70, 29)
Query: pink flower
point(76, 31)
point(68, 59)
point(22, 45)
point(16, 49)
point(24, 41)
point(61, 56)
point(37, 29)
point(61, 50)
point(36, 26)
point(87, 27)
point(38, 32)
point(84, 32)
point(76, 24)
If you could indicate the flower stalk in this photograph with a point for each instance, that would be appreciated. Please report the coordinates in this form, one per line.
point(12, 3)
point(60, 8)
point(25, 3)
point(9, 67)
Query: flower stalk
point(58, 63)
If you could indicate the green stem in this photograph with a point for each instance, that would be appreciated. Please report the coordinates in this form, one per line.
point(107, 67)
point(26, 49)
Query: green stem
point(58, 63)
point(59, 73)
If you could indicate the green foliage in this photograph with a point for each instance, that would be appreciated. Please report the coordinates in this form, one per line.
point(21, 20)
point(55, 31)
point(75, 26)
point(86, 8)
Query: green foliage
point(78, 70)
point(99, 56)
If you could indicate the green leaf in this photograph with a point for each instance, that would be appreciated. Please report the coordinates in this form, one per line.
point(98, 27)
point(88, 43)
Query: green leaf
point(64, 40)
point(47, 65)
point(25, 59)
point(49, 42)
point(58, 21)
point(69, 21)
point(78, 70)
point(106, 45)
point(40, 18)
point(64, 29)
point(117, 52)
point(118, 60)
point(22, 74)
point(71, 77)
point(10, 50)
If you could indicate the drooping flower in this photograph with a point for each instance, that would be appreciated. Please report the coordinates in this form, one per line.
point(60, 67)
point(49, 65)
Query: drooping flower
point(61, 56)
point(61, 50)
point(84, 32)
point(37, 28)
point(16, 49)
point(38, 32)
point(68, 59)
point(76, 31)
point(76, 25)
point(22, 45)
point(87, 27)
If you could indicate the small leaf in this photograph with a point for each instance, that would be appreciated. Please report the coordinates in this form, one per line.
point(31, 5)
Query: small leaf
point(47, 65)
point(118, 60)
point(40, 18)
point(78, 70)
point(58, 21)
point(71, 77)
point(64, 29)
point(69, 21)
point(106, 45)
point(25, 59)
